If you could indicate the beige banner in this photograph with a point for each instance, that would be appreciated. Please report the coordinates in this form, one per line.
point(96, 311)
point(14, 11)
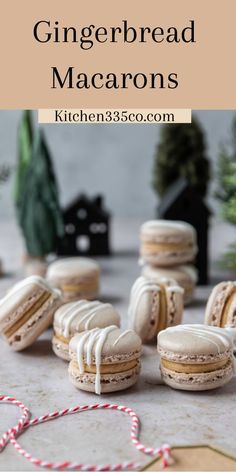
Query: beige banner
point(193, 68)
point(122, 116)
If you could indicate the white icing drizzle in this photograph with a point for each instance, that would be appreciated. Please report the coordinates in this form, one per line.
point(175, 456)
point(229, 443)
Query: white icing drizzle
point(140, 287)
point(144, 285)
point(206, 333)
point(231, 330)
point(32, 280)
point(164, 280)
point(91, 310)
point(122, 335)
point(174, 288)
point(93, 339)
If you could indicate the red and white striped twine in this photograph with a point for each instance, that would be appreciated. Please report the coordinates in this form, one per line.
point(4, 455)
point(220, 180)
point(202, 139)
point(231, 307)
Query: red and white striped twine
point(164, 452)
point(17, 428)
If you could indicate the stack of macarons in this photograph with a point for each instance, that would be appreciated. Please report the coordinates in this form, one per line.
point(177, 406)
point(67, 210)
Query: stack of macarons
point(168, 249)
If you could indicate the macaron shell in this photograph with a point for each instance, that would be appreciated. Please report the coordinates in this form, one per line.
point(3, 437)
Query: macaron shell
point(72, 268)
point(174, 304)
point(145, 319)
point(102, 315)
point(128, 347)
point(216, 305)
point(168, 257)
point(198, 382)
point(194, 343)
point(60, 349)
point(109, 382)
point(167, 231)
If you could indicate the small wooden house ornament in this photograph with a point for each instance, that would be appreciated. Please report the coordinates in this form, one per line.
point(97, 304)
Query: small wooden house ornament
point(86, 228)
point(182, 202)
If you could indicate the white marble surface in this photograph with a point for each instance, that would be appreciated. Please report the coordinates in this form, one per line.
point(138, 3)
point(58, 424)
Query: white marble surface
point(39, 379)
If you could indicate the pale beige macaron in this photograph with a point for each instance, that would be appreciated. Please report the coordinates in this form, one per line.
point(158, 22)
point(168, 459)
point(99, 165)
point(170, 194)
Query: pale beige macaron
point(154, 306)
point(76, 277)
point(184, 275)
point(221, 305)
point(26, 311)
point(105, 360)
point(76, 317)
point(195, 357)
point(167, 243)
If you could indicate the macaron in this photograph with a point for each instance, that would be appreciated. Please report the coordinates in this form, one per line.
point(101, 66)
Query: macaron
point(76, 277)
point(104, 360)
point(35, 267)
point(195, 357)
point(221, 305)
point(184, 275)
point(167, 243)
point(26, 311)
point(154, 305)
point(76, 317)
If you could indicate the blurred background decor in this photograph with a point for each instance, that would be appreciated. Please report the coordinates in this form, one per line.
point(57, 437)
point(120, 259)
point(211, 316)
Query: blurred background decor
point(181, 176)
point(116, 162)
point(4, 174)
point(86, 228)
point(226, 192)
point(36, 196)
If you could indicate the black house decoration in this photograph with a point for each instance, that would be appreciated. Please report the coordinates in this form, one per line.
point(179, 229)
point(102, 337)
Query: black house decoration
point(86, 228)
point(182, 202)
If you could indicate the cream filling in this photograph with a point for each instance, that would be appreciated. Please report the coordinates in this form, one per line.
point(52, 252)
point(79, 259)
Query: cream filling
point(162, 321)
point(83, 286)
point(157, 247)
point(193, 368)
point(110, 368)
point(61, 338)
point(27, 315)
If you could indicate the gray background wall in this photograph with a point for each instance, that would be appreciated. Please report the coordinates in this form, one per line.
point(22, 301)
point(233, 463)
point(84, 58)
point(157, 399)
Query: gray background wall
point(115, 160)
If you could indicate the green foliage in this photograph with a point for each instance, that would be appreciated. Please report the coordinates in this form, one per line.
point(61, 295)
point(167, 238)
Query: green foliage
point(226, 191)
point(181, 152)
point(227, 178)
point(229, 258)
point(4, 173)
point(25, 142)
point(36, 195)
